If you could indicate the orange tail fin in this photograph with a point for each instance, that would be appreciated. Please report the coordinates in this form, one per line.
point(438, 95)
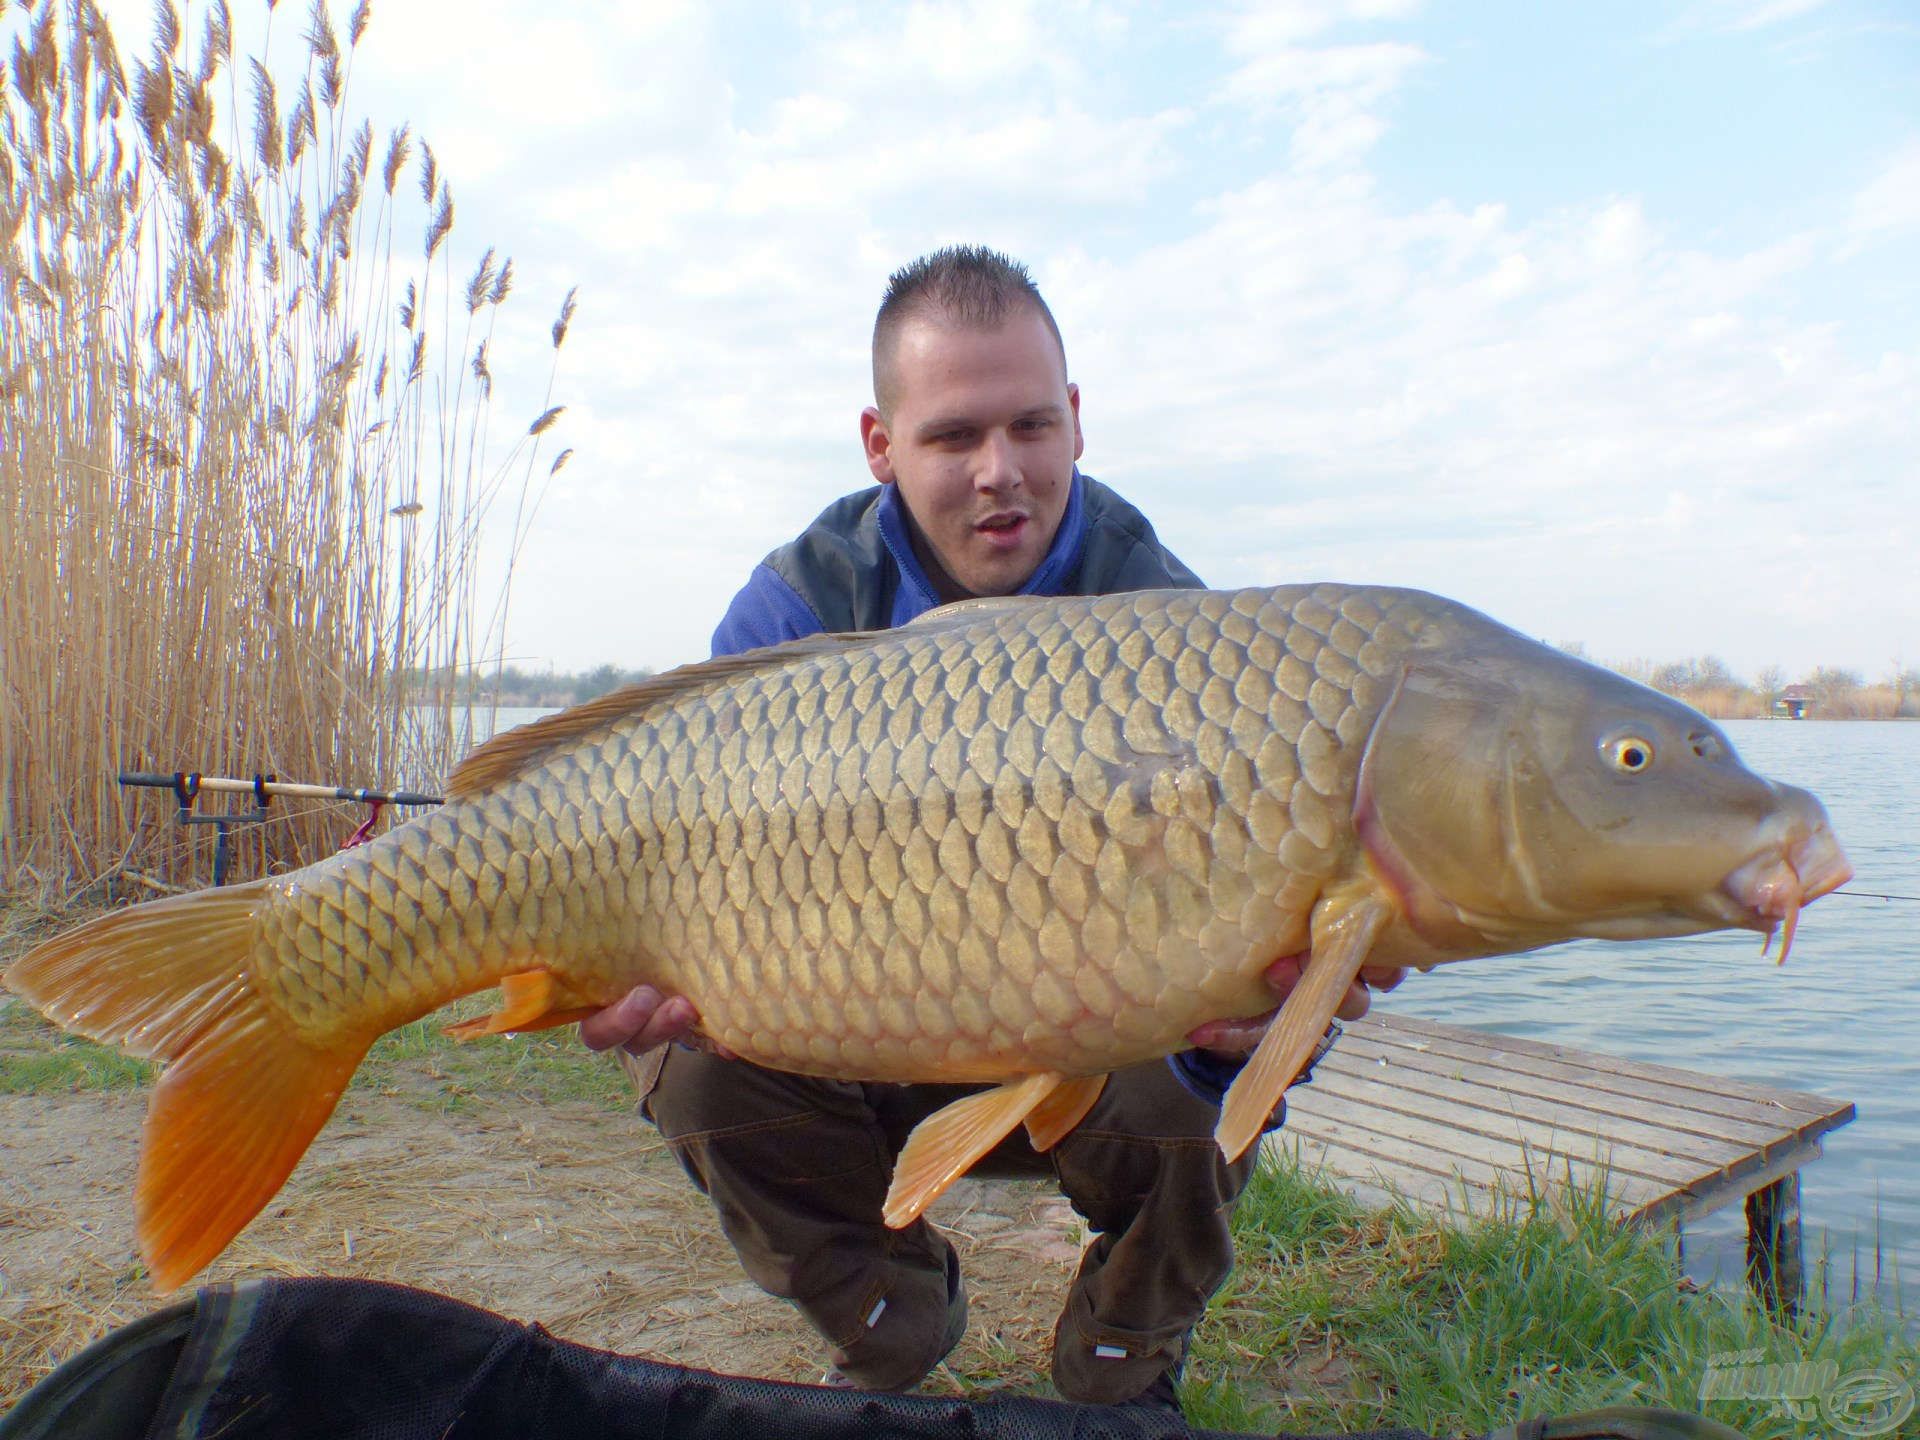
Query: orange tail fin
point(243, 1095)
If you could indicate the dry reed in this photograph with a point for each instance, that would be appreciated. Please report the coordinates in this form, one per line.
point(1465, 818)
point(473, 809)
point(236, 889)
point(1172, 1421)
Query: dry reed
point(243, 440)
point(1829, 692)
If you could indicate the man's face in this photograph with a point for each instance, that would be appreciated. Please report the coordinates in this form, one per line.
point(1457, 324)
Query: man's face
point(981, 442)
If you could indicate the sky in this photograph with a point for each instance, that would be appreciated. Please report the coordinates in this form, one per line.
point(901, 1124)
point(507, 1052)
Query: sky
point(1604, 319)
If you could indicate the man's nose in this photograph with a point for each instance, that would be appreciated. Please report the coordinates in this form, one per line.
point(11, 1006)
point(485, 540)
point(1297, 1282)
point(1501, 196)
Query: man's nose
point(999, 467)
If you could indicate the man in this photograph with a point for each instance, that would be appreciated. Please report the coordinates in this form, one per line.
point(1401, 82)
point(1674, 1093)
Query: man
point(972, 437)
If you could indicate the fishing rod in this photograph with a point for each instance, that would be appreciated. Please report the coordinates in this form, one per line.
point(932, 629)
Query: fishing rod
point(187, 787)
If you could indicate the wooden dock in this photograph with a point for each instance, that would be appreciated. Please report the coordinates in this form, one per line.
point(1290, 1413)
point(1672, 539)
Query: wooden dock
point(1454, 1119)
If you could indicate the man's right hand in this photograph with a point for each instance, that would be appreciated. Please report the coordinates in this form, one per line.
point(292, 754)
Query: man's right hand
point(639, 1020)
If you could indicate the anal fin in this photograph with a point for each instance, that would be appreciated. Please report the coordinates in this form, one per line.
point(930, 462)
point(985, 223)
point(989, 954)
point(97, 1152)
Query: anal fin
point(1339, 950)
point(529, 1000)
point(947, 1142)
point(1050, 1122)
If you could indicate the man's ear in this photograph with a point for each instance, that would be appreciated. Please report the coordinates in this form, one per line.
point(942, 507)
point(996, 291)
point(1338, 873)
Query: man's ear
point(878, 444)
point(1073, 405)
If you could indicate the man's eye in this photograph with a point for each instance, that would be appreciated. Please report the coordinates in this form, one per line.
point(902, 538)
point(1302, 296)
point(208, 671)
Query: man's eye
point(1031, 425)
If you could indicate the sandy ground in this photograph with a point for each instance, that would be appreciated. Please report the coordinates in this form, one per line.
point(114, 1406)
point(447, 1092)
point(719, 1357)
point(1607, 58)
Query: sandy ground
point(573, 1216)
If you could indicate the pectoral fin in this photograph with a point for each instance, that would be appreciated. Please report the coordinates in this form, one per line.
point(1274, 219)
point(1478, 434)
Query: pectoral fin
point(1054, 1117)
point(947, 1142)
point(1339, 950)
point(530, 1000)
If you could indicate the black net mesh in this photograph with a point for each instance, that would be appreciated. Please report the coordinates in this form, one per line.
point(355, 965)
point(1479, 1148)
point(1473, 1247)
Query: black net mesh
point(355, 1360)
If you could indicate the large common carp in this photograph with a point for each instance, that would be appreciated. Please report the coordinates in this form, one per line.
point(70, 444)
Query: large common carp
point(1017, 841)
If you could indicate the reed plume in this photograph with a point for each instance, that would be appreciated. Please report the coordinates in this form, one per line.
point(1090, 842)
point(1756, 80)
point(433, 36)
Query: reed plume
point(241, 486)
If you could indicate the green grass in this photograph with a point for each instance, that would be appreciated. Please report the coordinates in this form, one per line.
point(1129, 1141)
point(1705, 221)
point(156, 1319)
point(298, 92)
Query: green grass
point(38, 1059)
point(546, 1066)
point(417, 1061)
point(1341, 1318)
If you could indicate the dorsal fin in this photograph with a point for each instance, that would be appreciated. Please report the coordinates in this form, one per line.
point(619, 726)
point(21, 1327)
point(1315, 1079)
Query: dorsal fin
point(507, 754)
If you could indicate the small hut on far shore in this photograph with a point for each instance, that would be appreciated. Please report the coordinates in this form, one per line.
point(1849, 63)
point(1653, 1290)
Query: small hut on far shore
point(1794, 702)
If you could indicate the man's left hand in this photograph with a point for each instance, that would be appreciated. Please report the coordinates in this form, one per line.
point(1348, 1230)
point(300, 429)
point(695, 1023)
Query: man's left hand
point(1235, 1039)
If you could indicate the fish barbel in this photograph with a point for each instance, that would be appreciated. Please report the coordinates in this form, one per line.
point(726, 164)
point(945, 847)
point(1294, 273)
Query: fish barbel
point(1023, 841)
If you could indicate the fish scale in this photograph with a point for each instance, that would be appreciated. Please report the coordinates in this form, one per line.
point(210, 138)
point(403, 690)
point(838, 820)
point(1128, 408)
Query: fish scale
point(1061, 831)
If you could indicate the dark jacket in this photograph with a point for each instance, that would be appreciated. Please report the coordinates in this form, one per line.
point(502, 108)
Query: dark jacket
point(854, 568)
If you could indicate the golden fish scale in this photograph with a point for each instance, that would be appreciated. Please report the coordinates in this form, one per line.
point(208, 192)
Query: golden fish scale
point(1057, 836)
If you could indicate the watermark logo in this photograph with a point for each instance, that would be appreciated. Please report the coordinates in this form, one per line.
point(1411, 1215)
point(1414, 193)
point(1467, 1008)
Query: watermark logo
point(1858, 1402)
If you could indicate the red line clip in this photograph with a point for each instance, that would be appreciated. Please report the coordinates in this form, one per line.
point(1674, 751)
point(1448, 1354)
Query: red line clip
point(365, 832)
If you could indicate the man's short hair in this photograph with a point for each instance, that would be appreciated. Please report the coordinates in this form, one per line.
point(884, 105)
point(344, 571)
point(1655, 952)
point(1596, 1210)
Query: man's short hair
point(969, 285)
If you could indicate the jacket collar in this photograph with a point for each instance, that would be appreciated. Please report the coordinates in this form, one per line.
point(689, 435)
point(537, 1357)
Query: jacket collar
point(916, 596)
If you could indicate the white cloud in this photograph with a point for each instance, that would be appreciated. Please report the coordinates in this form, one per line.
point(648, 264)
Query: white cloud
point(1363, 74)
point(1889, 205)
point(1269, 25)
point(1758, 14)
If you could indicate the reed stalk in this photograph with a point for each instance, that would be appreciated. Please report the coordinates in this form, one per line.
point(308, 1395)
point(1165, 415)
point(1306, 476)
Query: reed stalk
point(242, 474)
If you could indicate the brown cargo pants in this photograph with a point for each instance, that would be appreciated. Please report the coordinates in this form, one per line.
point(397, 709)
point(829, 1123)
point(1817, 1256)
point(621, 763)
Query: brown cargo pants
point(797, 1167)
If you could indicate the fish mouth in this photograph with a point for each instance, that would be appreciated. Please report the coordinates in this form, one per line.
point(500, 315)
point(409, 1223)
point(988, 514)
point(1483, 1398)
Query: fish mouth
point(1768, 891)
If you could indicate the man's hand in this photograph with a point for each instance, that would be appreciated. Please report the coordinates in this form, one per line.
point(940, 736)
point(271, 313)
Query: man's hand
point(1235, 1039)
point(642, 1019)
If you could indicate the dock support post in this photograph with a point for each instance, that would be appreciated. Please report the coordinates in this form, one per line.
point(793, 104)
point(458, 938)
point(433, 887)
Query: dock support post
point(1774, 1266)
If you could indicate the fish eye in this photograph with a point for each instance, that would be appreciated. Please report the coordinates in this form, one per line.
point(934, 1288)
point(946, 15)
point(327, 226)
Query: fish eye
point(1629, 754)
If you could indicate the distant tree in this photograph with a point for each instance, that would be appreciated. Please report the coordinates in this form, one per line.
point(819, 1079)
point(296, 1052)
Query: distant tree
point(1675, 677)
point(1770, 682)
point(1832, 683)
point(597, 681)
point(1575, 648)
point(1711, 670)
point(1907, 695)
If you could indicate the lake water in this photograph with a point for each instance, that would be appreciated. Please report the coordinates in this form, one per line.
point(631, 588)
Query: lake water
point(1841, 1018)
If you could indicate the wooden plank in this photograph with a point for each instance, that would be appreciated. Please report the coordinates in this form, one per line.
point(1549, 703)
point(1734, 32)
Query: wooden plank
point(1667, 1076)
point(1377, 1180)
point(1437, 1147)
point(1705, 1189)
point(1396, 1151)
point(1634, 1121)
point(1439, 1152)
point(1474, 1124)
point(1722, 1190)
point(1383, 1179)
point(1461, 1120)
point(1592, 1074)
point(1696, 1108)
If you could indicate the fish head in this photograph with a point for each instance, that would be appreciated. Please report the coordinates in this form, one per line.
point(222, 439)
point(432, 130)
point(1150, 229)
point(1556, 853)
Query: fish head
point(1512, 796)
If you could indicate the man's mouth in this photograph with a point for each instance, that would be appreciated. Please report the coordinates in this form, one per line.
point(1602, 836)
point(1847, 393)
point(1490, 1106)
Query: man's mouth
point(1003, 529)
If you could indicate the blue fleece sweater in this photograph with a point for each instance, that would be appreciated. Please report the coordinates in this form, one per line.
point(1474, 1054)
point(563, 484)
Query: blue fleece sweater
point(768, 610)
